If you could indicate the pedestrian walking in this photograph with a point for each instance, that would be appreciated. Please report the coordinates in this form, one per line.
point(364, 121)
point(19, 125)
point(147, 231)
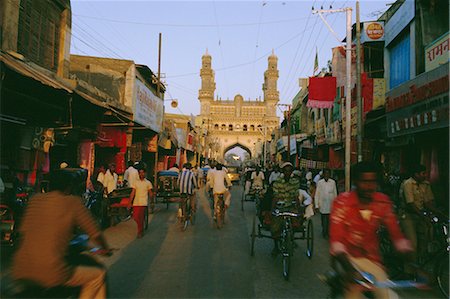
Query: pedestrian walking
point(326, 191)
point(142, 192)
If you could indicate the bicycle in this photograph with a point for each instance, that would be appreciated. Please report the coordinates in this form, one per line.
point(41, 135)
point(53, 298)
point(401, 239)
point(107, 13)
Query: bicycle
point(432, 263)
point(219, 210)
point(336, 281)
point(185, 213)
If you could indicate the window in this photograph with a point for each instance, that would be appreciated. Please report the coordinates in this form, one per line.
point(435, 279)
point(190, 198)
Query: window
point(399, 71)
point(230, 127)
point(216, 127)
point(224, 127)
point(244, 128)
point(252, 127)
point(39, 25)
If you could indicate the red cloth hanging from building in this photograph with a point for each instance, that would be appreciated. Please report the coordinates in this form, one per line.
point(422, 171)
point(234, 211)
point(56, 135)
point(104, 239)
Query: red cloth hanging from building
point(322, 92)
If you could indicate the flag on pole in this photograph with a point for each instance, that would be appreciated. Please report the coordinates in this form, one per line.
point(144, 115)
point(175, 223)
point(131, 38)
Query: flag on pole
point(316, 63)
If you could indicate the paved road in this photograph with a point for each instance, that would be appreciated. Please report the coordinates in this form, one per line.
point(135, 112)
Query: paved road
point(206, 262)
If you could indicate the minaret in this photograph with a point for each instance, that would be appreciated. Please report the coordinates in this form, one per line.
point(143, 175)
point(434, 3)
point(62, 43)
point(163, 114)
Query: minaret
point(206, 92)
point(271, 94)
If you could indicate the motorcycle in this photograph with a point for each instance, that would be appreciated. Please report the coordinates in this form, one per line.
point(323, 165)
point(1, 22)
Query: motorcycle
point(79, 254)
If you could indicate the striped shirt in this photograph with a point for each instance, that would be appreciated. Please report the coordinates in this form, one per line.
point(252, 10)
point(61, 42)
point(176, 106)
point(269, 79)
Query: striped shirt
point(286, 190)
point(187, 182)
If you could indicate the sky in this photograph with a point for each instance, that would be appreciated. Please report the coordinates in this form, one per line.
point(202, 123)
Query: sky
point(239, 35)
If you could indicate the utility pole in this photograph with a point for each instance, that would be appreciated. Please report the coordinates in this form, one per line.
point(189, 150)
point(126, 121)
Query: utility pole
point(358, 84)
point(158, 92)
point(348, 98)
point(288, 130)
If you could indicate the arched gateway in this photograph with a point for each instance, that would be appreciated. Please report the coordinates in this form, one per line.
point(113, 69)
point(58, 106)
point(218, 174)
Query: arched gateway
point(231, 123)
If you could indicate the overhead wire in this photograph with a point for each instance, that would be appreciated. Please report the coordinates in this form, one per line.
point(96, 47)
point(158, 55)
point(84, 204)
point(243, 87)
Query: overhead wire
point(248, 62)
point(292, 85)
point(115, 33)
point(312, 52)
point(220, 47)
point(257, 42)
point(295, 56)
point(94, 41)
point(187, 25)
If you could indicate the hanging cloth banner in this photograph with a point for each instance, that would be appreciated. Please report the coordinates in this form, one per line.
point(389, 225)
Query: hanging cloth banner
point(322, 92)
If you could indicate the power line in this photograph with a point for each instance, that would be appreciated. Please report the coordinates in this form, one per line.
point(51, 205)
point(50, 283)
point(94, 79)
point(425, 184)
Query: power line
point(257, 42)
point(249, 62)
point(220, 47)
point(296, 53)
point(90, 38)
point(323, 40)
point(187, 25)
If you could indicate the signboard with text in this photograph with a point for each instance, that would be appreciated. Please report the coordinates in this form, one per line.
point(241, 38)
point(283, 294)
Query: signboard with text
point(148, 109)
point(437, 53)
point(426, 115)
point(372, 32)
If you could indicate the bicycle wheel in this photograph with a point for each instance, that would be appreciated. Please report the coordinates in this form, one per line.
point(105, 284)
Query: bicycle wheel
point(309, 239)
point(253, 237)
point(442, 276)
point(220, 214)
point(286, 250)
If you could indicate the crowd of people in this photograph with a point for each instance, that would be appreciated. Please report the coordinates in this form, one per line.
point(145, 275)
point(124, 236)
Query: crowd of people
point(350, 220)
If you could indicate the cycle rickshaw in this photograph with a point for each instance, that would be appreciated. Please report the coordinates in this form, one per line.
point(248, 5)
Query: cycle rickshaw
point(167, 190)
point(295, 226)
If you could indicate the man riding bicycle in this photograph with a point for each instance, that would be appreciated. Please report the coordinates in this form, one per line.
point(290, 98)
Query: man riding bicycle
point(187, 184)
point(286, 190)
point(220, 184)
point(355, 218)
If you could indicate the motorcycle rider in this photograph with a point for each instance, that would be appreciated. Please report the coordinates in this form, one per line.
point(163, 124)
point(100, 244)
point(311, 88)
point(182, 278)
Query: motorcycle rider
point(355, 219)
point(46, 231)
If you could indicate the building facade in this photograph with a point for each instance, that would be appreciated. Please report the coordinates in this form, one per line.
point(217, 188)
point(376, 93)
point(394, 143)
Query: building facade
point(237, 123)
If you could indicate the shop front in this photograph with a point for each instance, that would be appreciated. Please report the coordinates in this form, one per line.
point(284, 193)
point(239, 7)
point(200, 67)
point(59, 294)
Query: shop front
point(417, 121)
point(33, 104)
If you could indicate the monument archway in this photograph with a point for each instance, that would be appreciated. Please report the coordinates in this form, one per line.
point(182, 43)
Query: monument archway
point(229, 148)
point(237, 122)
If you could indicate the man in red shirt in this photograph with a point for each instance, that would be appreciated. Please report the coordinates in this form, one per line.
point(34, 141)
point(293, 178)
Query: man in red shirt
point(355, 218)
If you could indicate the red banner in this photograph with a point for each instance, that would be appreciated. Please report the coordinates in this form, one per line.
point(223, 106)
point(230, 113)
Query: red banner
point(322, 92)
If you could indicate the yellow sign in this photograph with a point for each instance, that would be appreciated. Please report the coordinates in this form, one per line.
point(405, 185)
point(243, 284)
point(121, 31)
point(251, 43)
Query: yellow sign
point(379, 91)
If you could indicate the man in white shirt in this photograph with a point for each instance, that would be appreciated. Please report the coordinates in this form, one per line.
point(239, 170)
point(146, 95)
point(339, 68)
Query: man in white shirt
point(274, 175)
point(318, 177)
point(131, 174)
point(142, 192)
point(110, 180)
point(218, 179)
point(257, 178)
point(325, 193)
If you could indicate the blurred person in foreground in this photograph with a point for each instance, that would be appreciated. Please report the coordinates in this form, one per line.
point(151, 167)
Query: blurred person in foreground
point(46, 231)
point(355, 218)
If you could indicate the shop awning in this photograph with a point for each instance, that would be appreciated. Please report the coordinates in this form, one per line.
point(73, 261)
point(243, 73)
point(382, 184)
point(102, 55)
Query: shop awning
point(32, 70)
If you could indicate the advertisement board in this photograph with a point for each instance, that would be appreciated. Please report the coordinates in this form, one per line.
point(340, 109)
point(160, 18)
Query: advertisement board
point(148, 109)
point(372, 32)
point(437, 53)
